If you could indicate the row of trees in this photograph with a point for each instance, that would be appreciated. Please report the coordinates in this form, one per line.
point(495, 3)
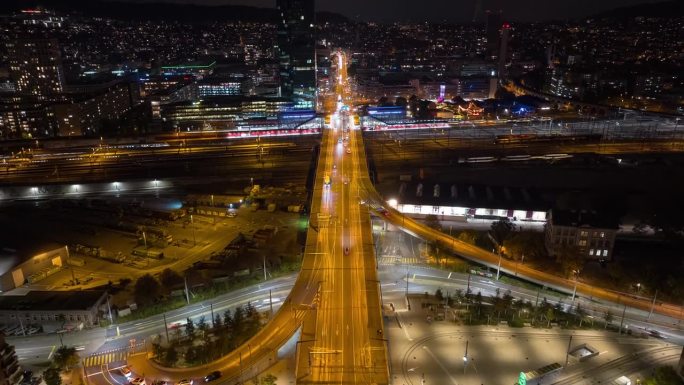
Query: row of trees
point(205, 340)
point(500, 307)
point(148, 289)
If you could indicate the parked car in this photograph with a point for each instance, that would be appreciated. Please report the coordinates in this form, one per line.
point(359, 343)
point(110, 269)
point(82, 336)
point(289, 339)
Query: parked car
point(137, 381)
point(185, 382)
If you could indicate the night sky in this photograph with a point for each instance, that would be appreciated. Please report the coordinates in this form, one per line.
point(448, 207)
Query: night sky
point(449, 10)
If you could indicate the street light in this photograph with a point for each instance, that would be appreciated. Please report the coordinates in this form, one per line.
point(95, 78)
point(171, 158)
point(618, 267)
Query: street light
point(465, 358)
point(498, 267)
point(574, 291)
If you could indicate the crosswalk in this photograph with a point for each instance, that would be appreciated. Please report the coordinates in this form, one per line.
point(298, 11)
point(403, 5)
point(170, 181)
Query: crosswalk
point(105, 358)
point(392, 260)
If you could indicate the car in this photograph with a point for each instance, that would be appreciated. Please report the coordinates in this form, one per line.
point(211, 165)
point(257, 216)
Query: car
point(326, 180)
point(346, 250)
point(232, 214)
point(185, 382)
point(126, 372)
point(655, 334)
point(339, 140)
point(348, 150)
point(212, 376)
point(177, 325)
point(137, 381)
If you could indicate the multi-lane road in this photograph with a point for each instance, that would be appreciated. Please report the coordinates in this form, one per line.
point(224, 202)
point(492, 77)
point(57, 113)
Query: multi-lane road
point(343, 340)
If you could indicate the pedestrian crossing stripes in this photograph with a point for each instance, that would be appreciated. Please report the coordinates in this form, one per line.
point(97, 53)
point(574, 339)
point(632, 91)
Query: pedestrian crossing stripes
point(387, 261)
point(104, 358)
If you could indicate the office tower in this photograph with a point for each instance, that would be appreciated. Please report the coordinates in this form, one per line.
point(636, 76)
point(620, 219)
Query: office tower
point(493, 33)
point(503, 50)
point(296, 49)
point(36, 66)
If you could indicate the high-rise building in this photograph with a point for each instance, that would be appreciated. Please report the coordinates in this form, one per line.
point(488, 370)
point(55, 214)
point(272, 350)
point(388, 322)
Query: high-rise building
point(503, 49)
point(493, 33)
point(296, 50)
point(36, 66)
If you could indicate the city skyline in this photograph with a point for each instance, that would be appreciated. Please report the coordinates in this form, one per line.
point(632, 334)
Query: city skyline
point(234, 194)
point(435, 11)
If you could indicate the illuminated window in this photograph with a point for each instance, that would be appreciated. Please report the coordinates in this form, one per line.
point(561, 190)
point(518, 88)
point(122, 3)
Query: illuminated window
point(603, 234)
point(605, 253)
point(591, 252)
point(583, 242)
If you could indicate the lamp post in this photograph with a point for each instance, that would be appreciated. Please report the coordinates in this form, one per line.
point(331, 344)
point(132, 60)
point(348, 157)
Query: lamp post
point(498, 267)
point(574, 290)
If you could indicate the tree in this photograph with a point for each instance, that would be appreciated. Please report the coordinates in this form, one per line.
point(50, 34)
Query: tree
point(478, 302)
point(171, 356)
point(570, 258)
point(507, 300)
point(500, 231)
point(228, 319)
point(432, 221)
point(253, 319)
point(52, 376)
point(580, 313)
point(191, 354)
point(439, 295)
point(147, 290)
point(550, 314)
point(217, 322)
point(190, 328)
point(65, 358)
point(169, 278)
point(157, 350)
point(664, 375)
point(203, 326)
point(525, 243)
point(238, 321)
point(608, 317)
point(401, 102)
point(467, 236)
point(268, 379)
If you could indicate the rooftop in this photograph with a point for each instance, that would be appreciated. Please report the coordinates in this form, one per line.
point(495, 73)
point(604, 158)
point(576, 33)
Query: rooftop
point(52, 300)
point(585, 218)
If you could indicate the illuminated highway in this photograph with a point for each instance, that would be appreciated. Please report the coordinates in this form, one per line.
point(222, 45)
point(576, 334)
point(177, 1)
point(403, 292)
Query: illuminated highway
point(343, 340)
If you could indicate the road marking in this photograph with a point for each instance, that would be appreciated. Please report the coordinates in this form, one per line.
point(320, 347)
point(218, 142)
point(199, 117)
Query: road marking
point(428, 351)
point(104, 369)
point(52, 351)
point(404, 328)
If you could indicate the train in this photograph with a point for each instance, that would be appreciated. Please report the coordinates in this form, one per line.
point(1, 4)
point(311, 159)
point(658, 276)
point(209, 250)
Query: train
point(534, 138)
